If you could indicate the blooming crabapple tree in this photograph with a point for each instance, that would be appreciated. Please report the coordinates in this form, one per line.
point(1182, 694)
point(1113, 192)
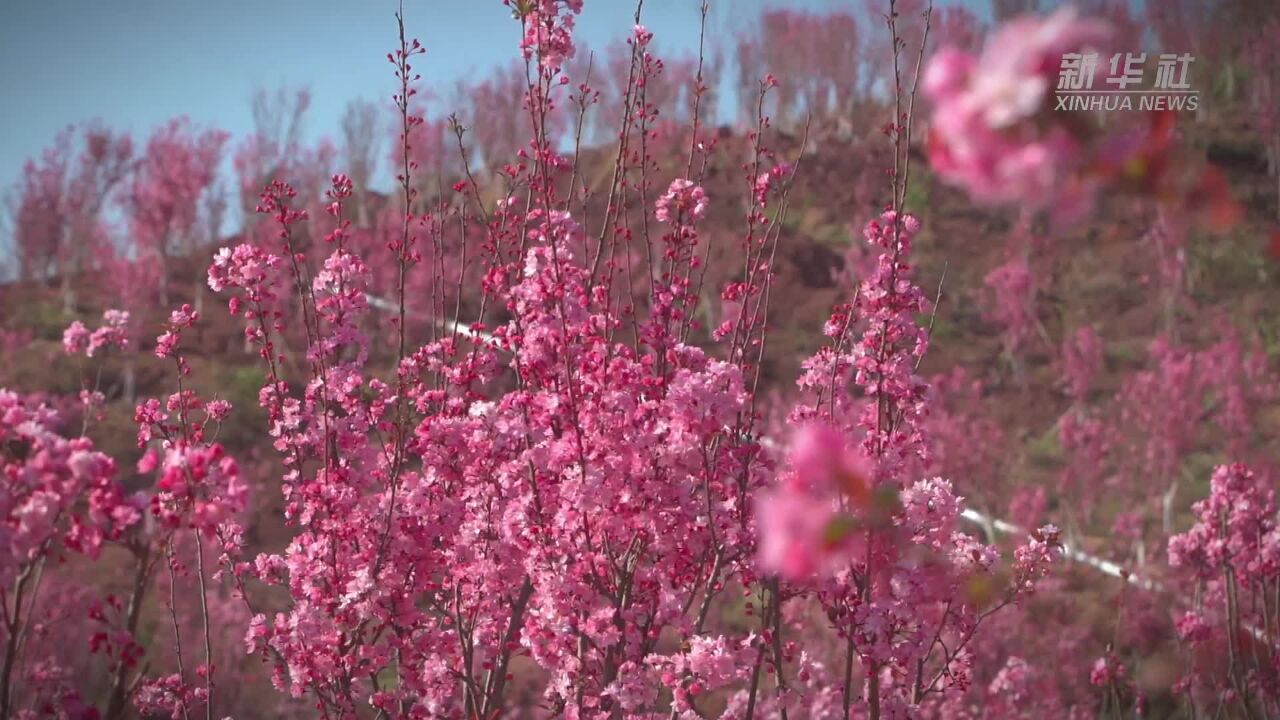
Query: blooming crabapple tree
point(561, 480)
point(165, 192)
point(903, 589)
point(815, 56)
point(493, 453)
point(360, 149)
point(197, 492)
point(448, 528)
point(58, 212)
point(275, 148)
point(553, 334)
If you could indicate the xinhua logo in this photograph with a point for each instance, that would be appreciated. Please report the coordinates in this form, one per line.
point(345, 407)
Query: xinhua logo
point(1124, 85)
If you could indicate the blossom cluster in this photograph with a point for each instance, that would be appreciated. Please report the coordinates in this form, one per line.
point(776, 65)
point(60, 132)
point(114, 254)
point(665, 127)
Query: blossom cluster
point(1231, 556)
point(57, 496)
point(59, 492)
point(78, 339)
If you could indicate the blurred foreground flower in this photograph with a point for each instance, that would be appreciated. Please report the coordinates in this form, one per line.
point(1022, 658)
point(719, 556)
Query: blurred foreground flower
point(998, 132)
point(808, 522)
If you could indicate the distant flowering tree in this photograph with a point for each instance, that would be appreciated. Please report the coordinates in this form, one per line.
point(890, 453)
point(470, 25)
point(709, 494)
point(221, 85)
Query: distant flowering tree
point(854, 515)
point(914, 37)
point(1168, 239)
point(816, 57)
point(1161, 408)
point(166, 191)
point(1164, 409)
point(59, 223)
point(1262, 57)
point(494, 115)
point(955, 26)
point(1012, 286)
point(1082, 358)
point(1241, 385)
point(1084, 437)
point(968, 444)
point(362, 142)
point(274, 146)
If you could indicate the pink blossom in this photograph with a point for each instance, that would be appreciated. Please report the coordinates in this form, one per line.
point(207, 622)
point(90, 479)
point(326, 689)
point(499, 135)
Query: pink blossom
point(1108, 670)
point(799, 534)
point(1033, 560)
point(1191, 627)
point(75, 339)
point(548, 32)
point(682, 202)
point(168, 696)
point(113, 333)
point(823, 459)
point(199, 486)
point(217, 410)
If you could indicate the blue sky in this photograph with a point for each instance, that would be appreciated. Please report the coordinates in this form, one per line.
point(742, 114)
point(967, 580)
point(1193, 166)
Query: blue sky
point(133, 64)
